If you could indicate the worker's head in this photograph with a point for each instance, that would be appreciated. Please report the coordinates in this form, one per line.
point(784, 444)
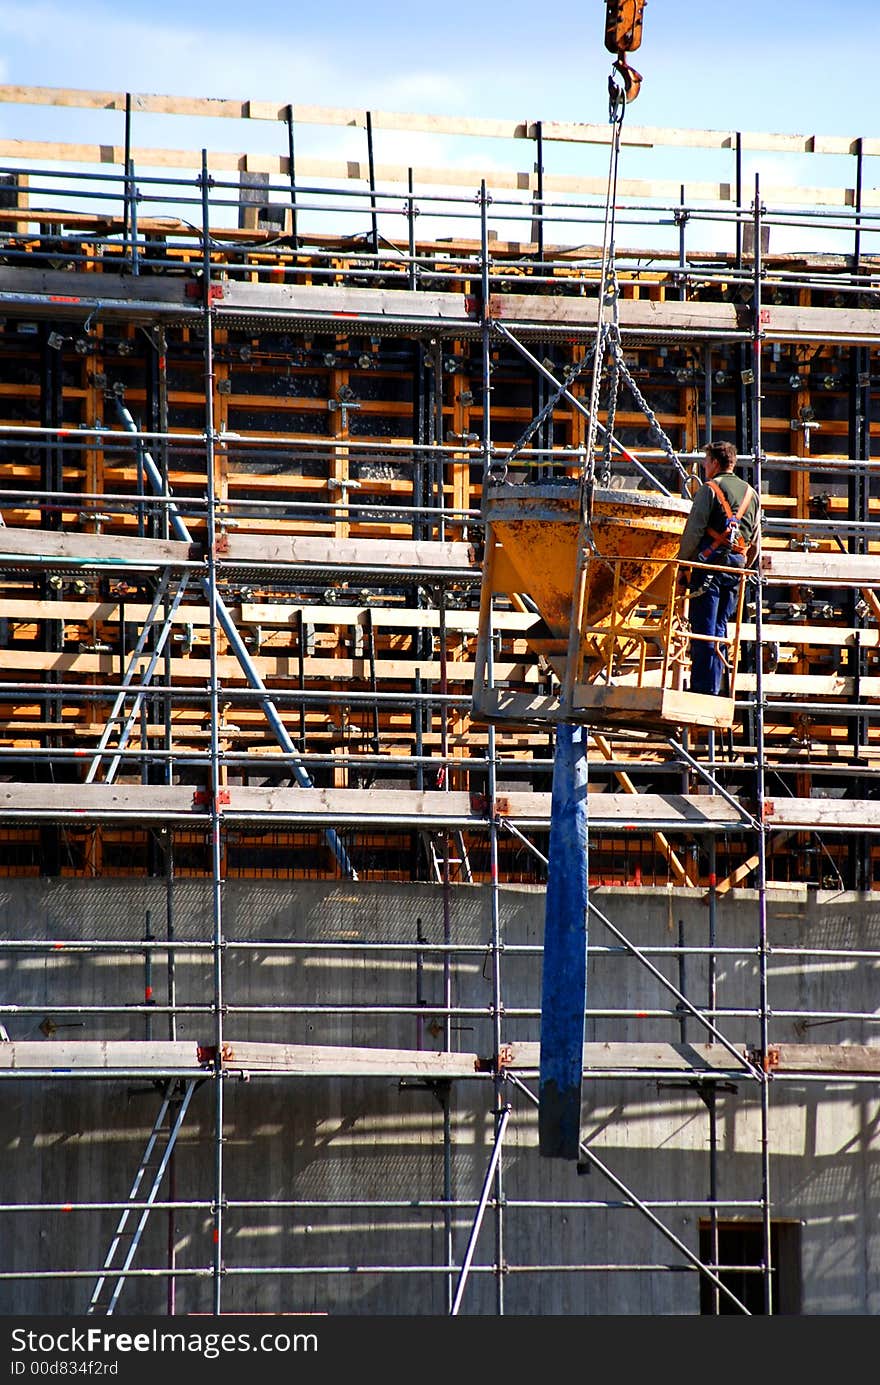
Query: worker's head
point(719, 456)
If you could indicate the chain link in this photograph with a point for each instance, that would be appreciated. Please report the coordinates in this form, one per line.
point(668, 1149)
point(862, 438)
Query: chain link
point(570, 374)
point(657, 432)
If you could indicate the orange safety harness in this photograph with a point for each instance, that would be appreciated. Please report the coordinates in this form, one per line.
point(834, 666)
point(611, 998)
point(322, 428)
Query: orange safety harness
point(730, 536)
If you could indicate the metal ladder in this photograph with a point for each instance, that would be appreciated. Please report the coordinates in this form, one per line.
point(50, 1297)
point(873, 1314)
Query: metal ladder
point(125, 1242)
point(438, 860)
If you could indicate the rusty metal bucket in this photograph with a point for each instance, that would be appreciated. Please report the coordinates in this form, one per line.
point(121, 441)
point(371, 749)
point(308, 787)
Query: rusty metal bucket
point(534, 532)
point(620, 658)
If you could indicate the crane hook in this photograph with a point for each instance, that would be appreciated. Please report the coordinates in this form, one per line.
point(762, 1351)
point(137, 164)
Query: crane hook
point(623, 34)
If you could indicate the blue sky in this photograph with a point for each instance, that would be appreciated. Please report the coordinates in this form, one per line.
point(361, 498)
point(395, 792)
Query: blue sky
point(752, 66)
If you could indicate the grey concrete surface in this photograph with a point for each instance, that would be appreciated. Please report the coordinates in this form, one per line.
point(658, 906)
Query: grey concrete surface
point(290, 1144)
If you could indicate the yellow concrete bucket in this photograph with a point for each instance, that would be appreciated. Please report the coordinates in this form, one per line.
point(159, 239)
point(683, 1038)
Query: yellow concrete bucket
point(534, 531)
point(630, 650)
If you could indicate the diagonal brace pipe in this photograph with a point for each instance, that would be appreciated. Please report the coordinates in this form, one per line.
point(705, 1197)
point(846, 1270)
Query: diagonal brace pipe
point(239, 648)
point(642, 1206)
point(478, 1218)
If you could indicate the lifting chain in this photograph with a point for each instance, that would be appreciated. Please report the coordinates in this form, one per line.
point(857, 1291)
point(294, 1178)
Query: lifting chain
point(616, 351)
point(613, 373)
point(571, 373)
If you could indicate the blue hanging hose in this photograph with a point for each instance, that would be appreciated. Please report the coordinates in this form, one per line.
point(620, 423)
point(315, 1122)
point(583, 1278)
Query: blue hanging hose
point(564, 984)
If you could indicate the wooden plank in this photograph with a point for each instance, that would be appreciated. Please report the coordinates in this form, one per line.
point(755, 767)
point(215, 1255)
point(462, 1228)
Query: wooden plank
point(395, 176)
point(361, 804)
point(343, 301)
point(831, 636)
point(635, 314)
point(104, 1055)
point(138, 800)
point(724, 319)
point(282, 667)
point(120, 550)
point(863, 1059)
point(613, 812)
point(567, 131)
point(390, 555)
point(318, 1060)
point(825, 566)
point(524, 1056)
point(818, 813)
point(280, 615)
point(654, 136)
point(820, 685)
point(103, 1058)
point(607, 810)
point(76, 290)
point(783, 322)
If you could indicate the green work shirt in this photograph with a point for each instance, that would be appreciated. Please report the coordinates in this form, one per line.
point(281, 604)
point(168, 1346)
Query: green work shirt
point(706, 512)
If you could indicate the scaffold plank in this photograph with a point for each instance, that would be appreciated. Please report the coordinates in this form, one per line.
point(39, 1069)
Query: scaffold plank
point(863, 1059)
point(40, 545)
point(817, 813)
point(316, 1060)
point(525, 1056)
point(107, 1057)
point(614, 811)
point(825, 566)
point(343, 301)
point(391, 555)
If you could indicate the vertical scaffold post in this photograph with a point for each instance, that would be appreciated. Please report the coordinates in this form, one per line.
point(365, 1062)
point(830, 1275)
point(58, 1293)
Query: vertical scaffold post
point(564, 985)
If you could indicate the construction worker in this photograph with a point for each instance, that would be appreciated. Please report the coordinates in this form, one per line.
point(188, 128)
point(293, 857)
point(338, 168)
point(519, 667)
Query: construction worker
point(721, 530)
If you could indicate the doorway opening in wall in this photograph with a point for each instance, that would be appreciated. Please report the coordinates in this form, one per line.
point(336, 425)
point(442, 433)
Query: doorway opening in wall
point(741, 1248)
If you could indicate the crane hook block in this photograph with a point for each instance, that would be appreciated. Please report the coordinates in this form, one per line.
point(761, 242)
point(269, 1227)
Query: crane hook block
point(623, 25)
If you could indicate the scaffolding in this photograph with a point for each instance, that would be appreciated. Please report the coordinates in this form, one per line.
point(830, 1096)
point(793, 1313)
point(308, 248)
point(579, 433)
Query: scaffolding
point(251, 412)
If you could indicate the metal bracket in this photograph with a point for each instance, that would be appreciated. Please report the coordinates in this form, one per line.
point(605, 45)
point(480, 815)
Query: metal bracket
point(766, 1061)
point(203, 797)
point(195, 288)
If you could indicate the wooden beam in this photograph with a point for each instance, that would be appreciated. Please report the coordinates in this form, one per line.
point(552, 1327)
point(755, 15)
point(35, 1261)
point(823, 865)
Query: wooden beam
point(319, 1060)
point(398, 555)
point(102, 1056)
point(599, 1057)
point(863, 1059)
point(282, 615)
point(816, 814)
point(826, 566)
point(612, 812)
point(115, 550)
point(109, 1057)
point(645, 136)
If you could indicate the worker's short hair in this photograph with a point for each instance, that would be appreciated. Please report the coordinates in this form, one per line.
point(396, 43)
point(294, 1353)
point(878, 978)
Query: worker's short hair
point(724, 453)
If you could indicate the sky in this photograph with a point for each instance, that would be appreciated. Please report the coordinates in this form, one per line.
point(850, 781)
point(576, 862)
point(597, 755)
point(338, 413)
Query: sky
point(789, 68)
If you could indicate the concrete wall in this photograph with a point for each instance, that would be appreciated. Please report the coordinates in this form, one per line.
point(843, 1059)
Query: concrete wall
point(296, 1141)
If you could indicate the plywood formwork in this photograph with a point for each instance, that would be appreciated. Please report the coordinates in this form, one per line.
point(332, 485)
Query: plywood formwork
point(242, 464)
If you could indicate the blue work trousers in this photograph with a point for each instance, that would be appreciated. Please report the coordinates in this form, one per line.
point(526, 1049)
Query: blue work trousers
point(712, 604)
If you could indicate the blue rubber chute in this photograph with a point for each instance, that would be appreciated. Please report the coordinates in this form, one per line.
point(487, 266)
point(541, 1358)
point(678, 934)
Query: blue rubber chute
point(564, 985)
